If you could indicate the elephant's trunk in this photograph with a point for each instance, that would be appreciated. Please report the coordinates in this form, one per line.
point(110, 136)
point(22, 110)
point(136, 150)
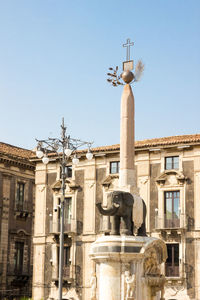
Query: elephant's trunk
point(108, 212)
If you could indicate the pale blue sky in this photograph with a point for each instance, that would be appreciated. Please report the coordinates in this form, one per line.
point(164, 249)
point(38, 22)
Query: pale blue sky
point(54, 56)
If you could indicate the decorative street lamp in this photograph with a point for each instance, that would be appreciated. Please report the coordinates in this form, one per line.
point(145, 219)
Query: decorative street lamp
point(64, 148)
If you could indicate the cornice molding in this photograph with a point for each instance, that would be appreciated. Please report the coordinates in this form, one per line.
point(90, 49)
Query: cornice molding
point(15, 161)
point(56, 186)
point(181, 178)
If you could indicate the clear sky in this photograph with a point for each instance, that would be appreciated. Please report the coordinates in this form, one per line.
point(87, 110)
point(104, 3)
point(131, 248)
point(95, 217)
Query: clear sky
point(54, 56)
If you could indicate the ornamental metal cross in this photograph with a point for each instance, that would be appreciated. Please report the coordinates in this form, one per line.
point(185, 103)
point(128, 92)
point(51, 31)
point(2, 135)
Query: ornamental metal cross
point(128, 45)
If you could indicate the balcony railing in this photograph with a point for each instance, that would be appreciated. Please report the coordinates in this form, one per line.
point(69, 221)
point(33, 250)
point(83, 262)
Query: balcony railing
point(22, 207)
point(166, 222)
point(69, 227)
point(68, 272)
point(171, 271)
point(19, 270)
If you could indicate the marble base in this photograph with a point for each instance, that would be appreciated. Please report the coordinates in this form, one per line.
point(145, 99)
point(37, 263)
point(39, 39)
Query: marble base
point(128, 267)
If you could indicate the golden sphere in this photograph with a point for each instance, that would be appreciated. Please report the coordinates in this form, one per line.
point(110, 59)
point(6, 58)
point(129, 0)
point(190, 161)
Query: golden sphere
point(127, 76)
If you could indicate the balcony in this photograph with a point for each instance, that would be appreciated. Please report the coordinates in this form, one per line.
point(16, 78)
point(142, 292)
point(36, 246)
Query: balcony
point(171, 271)
point(23, 271)
point(68, 273)
point(69, 227)
point(172, 222)
point(22, 210)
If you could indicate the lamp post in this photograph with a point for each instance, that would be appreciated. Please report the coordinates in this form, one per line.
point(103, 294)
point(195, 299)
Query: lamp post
point(64, 148)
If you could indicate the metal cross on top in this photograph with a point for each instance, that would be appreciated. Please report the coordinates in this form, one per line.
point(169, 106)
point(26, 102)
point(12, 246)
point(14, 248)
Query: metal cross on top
point(128, 45)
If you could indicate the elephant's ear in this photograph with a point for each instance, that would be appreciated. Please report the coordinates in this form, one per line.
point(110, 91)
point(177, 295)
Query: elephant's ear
point(128, 198)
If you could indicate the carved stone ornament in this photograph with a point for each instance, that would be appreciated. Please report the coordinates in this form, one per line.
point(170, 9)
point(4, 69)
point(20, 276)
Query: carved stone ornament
point(71, 294)
point(179, 177)
point(41, 188)
point(93, 286)
point(151, 266)
point(69, 182)
point(144, 179)
point(109, 180)
point(130, 285)
point(152, 275)
point(155, 282)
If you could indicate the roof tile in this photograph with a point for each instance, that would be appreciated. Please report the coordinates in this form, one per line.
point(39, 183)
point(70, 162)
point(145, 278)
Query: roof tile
point(15, 151)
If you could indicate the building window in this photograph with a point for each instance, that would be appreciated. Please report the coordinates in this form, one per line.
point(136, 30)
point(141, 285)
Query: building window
point(20, 196)
point(172, 262)
point(67, 256)
point(68, 210)
point(171, 209)
point(19, 256)
point(67, 214)
point(66, 261)
point(114, 167)
point(68, 172)
point(172, 162)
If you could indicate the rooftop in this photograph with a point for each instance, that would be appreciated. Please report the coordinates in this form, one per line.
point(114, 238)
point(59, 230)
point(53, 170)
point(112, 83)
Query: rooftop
point(148, 143)
point(157, 142)
point(15, 151)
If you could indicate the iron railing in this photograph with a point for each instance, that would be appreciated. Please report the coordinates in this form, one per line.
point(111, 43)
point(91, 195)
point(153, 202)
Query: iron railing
point(171, 271)
point(22, 207)
point(68, 272)
point(69, 227)
point(14, 270)
point(167, 222)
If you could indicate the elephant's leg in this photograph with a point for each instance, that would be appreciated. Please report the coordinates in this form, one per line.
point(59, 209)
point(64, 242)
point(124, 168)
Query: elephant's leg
point(142, 229)
point(126, 225)
point(115, 225)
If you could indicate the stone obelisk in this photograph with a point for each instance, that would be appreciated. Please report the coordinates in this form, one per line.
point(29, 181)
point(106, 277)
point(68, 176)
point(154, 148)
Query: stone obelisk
point(127, 177)
point(128, 266)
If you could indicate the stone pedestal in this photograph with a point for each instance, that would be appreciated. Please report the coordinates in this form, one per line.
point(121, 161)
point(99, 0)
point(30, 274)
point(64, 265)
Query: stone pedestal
point(128, 267)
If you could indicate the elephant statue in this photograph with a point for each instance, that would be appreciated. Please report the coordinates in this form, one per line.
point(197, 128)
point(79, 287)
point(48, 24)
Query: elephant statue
point(119, 208)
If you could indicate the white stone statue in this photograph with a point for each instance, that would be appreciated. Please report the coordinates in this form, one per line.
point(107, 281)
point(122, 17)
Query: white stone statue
point(93, 286)
point(130, 284)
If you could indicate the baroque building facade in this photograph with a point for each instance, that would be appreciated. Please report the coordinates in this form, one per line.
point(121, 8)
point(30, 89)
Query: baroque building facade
point(168, 179)
point(17, 184)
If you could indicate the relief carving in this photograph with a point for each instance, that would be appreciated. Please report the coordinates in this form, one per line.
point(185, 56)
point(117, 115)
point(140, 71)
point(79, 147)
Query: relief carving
point(93, 286)
point(130, 282)
point(143, 180)
point(41, 188)
point(151, 266)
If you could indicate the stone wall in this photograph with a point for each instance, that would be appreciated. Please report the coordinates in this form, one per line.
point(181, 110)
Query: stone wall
point(48, 270)
point(51, 178)
point(154, 173)
point(189, 267)
point(188, 170)
point(15, 226)
point(100, 176)
point(79, 264)
point(5, 228)
point(79, 178)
